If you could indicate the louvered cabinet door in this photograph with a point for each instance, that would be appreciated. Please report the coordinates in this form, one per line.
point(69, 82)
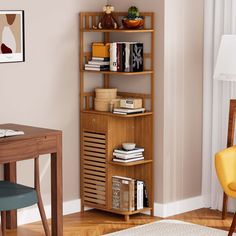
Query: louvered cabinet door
point(94, 168)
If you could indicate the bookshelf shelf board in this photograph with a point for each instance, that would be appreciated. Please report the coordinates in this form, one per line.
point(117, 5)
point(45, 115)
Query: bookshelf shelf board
point(134, 163)
point(145, 72)
point(148, 113)
point(130, 212)
point(117, 211)
point(119, 30)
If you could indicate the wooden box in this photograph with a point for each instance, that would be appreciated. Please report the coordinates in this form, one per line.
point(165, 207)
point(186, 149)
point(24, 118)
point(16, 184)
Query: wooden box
point(100, 50)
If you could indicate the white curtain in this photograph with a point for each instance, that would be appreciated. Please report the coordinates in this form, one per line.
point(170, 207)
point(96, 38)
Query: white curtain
point(220, 18)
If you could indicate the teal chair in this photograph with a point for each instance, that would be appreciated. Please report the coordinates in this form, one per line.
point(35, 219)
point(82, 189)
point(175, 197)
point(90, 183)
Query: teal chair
point(14, 196)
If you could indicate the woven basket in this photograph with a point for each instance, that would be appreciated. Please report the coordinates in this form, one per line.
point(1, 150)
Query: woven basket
point(106, 93)
point(103, 104)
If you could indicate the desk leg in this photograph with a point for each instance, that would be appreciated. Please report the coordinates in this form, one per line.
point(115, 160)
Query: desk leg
point(10, 175)
point(56, 190)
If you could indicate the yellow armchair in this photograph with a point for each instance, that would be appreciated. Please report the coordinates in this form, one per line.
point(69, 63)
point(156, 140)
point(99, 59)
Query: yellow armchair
point(225, 163)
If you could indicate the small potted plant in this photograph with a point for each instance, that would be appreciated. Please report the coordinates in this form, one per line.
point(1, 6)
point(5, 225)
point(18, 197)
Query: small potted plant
point(133, 20)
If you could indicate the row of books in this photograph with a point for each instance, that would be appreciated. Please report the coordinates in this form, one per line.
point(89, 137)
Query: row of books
point(98, 64)
point(126, 56)
point(128, 194)
point(127, 111)
point(122, 155)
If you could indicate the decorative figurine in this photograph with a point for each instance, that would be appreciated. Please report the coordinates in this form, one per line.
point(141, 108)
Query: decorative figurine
point(108, 20)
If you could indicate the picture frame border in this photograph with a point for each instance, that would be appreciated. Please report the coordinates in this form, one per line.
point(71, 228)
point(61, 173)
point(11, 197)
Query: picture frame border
point(22, 37)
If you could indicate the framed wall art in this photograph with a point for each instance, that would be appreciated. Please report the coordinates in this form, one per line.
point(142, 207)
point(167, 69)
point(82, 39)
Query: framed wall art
point(12, 48)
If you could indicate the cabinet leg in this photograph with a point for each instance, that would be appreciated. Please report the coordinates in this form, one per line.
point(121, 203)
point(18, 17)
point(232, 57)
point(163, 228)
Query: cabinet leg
point(82, 208)
point(126, 217)
point(152, 212)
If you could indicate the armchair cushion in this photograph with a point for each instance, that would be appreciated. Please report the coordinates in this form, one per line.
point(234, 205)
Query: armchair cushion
point(232, 186)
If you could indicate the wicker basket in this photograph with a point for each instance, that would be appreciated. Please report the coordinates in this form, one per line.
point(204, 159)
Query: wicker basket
point(106, 93)
point(103, 104)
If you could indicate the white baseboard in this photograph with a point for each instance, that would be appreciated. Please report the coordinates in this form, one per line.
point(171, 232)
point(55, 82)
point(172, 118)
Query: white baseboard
point(31, 214)
point(178, 207)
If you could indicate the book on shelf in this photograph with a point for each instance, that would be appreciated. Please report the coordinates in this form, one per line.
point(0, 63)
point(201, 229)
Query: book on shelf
point(96, 67)
point(136, 57)
point(145, 196)
point(100, 58)
point(123, 151)
point(126, 56)
point(128, 194)
point(113, 57)
point(97, 62)
point(128, 160)
point(9, 132)
point(127, 156)
point(139, 194)
point(126, 111)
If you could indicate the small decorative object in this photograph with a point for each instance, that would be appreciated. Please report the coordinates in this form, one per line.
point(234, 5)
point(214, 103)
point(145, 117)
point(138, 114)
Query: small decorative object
point(128, 146)
point(133, 20)
point(108, 20)
point(11, 36)
point(132, 103)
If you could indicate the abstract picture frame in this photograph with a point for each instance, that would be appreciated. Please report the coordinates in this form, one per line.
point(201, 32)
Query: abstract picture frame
point(12, 36)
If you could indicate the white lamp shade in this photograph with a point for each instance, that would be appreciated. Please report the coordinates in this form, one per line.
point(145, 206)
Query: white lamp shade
point(225, 68)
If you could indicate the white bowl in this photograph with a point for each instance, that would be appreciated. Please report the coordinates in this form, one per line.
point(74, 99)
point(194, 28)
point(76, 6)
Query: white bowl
point(128, 146)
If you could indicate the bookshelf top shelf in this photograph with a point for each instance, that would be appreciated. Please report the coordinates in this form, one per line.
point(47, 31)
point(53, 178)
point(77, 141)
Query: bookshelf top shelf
point(134, 163)
point(119, 30)
point(147, 113)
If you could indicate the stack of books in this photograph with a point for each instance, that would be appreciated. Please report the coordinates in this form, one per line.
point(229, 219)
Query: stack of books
point(121, 155)
point(98, 64)
point(128, 194)
point(126, 56)
point(127, 111)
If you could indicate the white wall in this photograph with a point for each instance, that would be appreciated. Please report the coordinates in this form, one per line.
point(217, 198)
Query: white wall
point(44, 90)
point(178, 100)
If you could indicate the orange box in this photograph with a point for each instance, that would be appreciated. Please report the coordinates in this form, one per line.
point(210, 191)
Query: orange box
point(100, 50)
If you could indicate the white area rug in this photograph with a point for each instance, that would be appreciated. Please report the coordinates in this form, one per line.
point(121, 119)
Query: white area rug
point(170, 228)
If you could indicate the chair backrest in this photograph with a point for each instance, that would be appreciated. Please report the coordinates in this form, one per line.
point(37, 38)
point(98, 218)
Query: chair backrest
point(225, 163)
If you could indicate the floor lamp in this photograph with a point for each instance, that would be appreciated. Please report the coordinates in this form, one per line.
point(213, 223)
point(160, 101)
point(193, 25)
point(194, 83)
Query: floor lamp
point(225, 70)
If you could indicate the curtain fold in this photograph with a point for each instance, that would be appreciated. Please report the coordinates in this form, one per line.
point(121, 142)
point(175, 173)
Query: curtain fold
point(220, 18)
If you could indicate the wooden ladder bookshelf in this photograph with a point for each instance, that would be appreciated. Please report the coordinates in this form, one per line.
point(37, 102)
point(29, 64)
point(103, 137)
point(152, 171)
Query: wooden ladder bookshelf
point(102, 132)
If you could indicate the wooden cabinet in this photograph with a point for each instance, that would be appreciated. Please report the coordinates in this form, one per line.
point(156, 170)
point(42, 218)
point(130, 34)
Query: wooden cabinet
point(102, 132)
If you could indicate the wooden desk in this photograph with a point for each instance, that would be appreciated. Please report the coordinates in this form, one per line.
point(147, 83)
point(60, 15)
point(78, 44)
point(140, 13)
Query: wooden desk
point(35, 142)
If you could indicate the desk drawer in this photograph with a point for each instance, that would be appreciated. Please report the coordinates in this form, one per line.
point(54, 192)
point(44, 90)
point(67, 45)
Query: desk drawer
point(47, 144)
point(94, 122)
point(18, 150)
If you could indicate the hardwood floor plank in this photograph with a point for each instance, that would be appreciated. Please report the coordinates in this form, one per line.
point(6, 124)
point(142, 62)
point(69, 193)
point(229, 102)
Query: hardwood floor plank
point(96, 223)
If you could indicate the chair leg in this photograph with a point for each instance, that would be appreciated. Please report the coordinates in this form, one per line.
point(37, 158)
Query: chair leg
point(40, 202)
point(224, 209)
point(43, 216)
point(3, 223)
point(232, 227)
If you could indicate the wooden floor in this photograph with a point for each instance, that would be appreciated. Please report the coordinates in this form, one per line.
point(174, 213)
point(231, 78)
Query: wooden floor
point(95, 223)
